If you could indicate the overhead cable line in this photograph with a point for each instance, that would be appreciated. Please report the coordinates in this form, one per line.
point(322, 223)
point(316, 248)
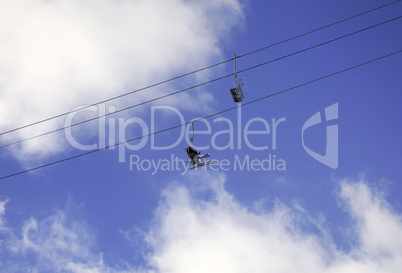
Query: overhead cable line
point(198, 70)
point(324, 43)
point(203, 118)
point(201, 84)
point(312, 31)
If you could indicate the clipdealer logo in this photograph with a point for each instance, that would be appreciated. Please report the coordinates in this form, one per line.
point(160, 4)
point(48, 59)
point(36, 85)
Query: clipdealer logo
point(330, 158)
point(114, 131)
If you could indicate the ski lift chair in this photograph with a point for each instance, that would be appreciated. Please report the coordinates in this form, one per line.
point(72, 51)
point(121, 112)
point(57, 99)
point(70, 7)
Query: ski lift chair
point(236, 91)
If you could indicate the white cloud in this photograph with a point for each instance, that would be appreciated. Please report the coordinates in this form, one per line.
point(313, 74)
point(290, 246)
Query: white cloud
point(3, 227)
point(221, 235)
point(202, 228)
point(378, 228)
point(54, 244)
point(58, 54)
point(2, 210)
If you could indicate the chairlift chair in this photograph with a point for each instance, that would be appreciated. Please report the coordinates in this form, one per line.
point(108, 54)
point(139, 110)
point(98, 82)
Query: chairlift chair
point(194, 155)
point(239, 84)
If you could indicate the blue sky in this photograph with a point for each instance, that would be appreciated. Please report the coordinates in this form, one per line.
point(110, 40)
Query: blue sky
point(105, 213)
